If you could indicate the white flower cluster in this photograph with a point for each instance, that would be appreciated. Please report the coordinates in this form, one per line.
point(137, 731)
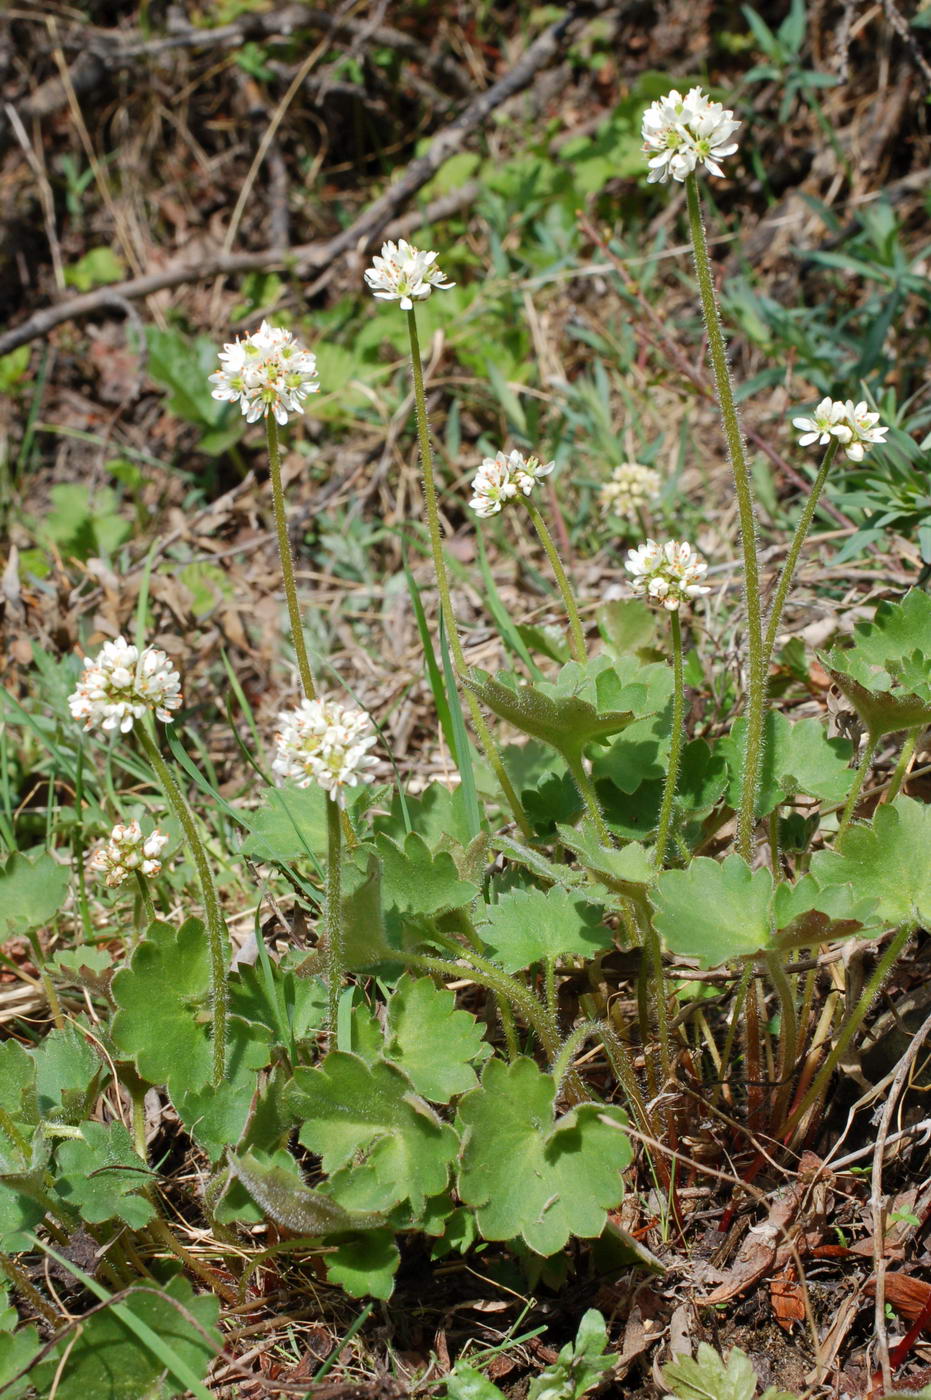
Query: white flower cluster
point(127, 850)
point(851, 424)
point(405, 274)
point(668, 573)
point(499, 479)
point(681, 133)
point(269, 371)
point(325, 743)
point(122, 683)
point(631, 487)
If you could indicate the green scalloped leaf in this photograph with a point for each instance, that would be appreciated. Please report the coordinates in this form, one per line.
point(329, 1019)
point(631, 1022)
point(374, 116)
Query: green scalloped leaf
point(168, 973)
point(530, 1177)
point(623, 870)
point(368, 1120)
point(528, 927)
point(886, 860)
point(417, 881)
point(714, 911)
point(886, 671)
point(216, 1115)
point(104, 1360)
point(365, 1265)
point(435, 1043)
point(798, 757)
point(291, 825)
point(31, 893)
point(102, 1175)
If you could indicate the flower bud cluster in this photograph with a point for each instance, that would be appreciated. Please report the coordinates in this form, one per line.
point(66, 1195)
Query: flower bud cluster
point(405, 274)
point(500, 478)
point(851, 424)
point(122, 683)
point(128, 850)
point(669, 573)
point(630, 489)
point(325, 743)
point(682, 133)
point(268, 372)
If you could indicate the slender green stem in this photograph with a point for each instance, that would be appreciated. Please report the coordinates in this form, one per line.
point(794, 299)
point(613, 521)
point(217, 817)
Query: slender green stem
point(28, 1292)
point(216, 932)
point(586, 787)
point(756, 700)
point(576, 632)
point(563, 1061)
point(502, 985)
point(901, 768)
point(795, 549)
point(863, 767)
point(287, 560)
point(850, 1027)
point(48, 986)
point(788, 1035)
point(675, 746)
point(549, 986)
point(739, 1000)
point(654, 957)
point(335, 954)
point(142, 885)
point(506, 1015)
point(442, 580)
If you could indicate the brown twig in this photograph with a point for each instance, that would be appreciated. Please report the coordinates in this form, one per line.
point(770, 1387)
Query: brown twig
point(309, 258)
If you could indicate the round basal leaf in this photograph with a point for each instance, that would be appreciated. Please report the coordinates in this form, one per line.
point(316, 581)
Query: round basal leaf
point(31, 893)
point(885, 860)
point(625, 870)
point(714, 910)
point(529, 1177)
point(434, 1043)
point(216, 1115)
point(365, 1265)
point(102, 1175)
point(163, 999)
point(67, 1074)
point(886, 671)
point(291, 825)
point(528, 927)
point(353, 1110)
point(104, 1360)
point(798, 757)
point(415, 881)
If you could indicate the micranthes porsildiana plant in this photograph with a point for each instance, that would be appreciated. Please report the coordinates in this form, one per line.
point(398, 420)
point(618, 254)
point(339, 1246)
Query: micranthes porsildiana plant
point(123, 689)
point(270, 375)
point(407, 275)
point(681, 137)
point(631, 489)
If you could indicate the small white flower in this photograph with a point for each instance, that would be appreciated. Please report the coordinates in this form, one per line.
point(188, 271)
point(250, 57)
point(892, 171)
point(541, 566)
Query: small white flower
point(122, 683)
point(828, 421)
point(863, 429)
point(630, 489)
point(852, 425)
point(669, 574)
point(680, 133)
point(501, 477)
point(127, 850)
point(268, 372)
point(405, 274)
point(326, 743)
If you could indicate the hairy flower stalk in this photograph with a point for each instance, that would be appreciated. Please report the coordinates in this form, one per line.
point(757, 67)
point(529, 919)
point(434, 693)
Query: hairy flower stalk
point(270, 374)
point(406, 274)
point(756, 698)
point(124, 684)
point(836, 425)
point(669, 575)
